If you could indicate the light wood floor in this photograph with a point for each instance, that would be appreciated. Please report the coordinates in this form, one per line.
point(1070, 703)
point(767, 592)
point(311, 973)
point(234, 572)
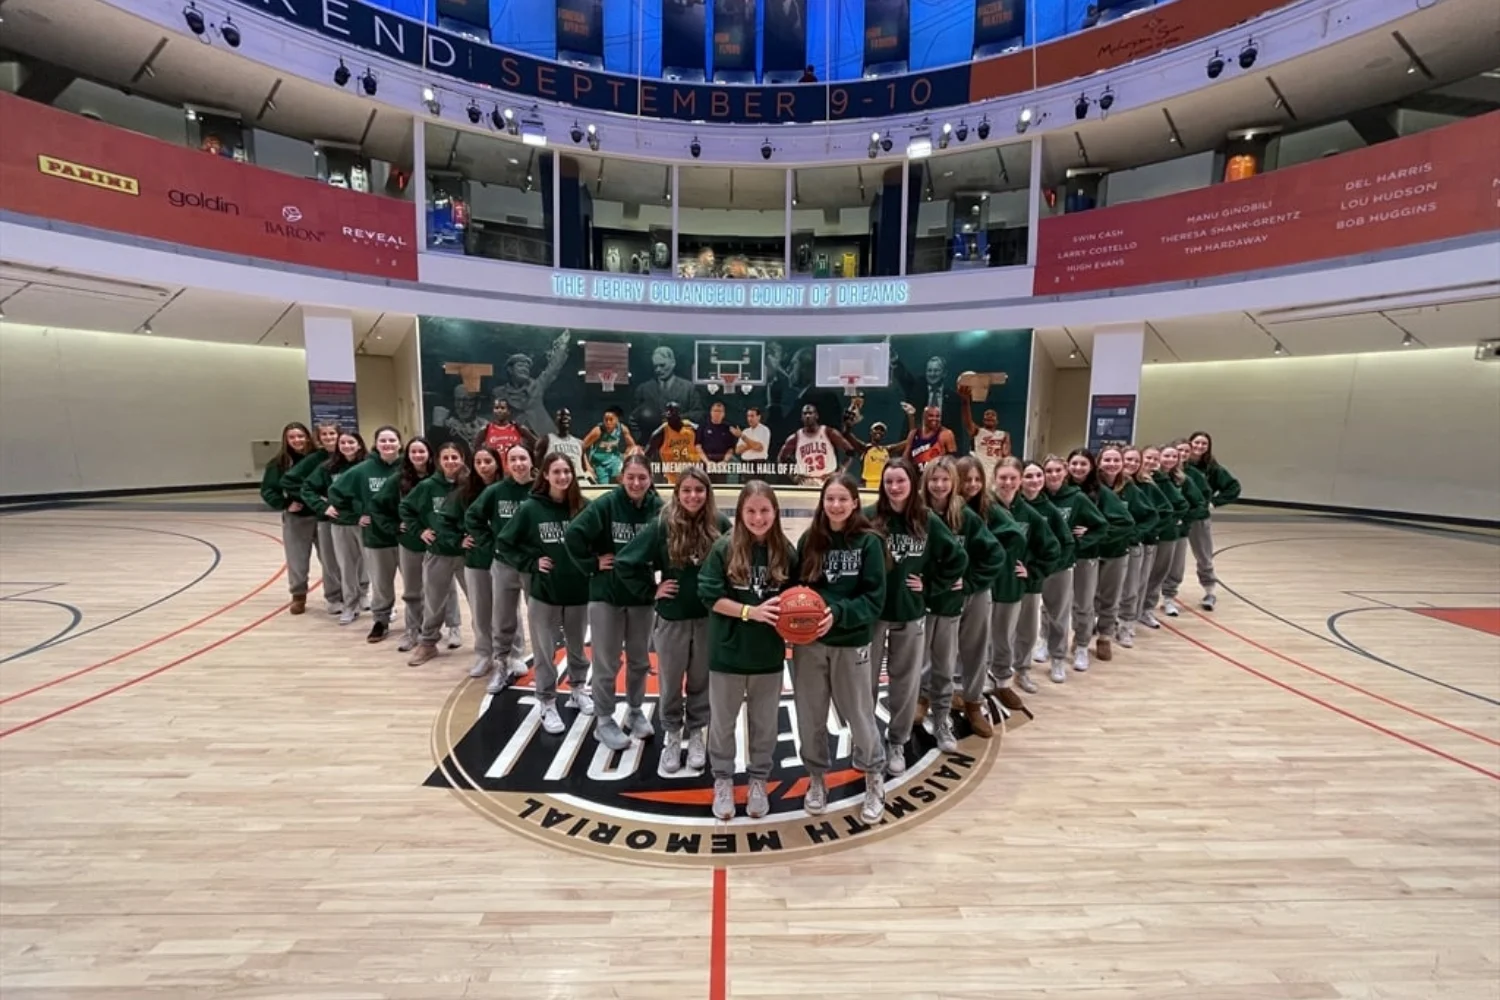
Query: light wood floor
point(201, 796)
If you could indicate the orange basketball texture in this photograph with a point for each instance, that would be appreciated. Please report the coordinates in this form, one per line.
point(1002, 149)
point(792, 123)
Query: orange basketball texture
point(801, 611)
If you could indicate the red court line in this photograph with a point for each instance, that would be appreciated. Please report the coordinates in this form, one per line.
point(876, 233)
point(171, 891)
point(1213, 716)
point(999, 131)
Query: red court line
point(1319, 701)
point(149, 674)
point(718, 977)
point(1353, 687)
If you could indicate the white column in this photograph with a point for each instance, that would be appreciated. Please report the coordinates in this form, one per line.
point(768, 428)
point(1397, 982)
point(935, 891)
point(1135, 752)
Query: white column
point(419, 179)
point(1035, 209)
point(905, 208)
point(328, 346)
point(676, 199)
point(1115, 383)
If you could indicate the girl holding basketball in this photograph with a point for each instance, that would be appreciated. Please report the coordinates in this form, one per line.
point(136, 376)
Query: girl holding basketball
point(1220, 487)
point(443, 562)
point(1143, 537)
point(620, 614)
point(922, 557)
point(674, 545)
point(299, 529)
point(484, 521)
point(534, 541)
point(741, 584)
point(843, 560)
point(343, 524)
point(1043, 551)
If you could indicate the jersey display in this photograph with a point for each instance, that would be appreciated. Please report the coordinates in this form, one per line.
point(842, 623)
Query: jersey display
point(815, 456)
point(606, 454)
point(500, 438)
point(989, 448)
point(926, 450)
point(570, 448)
point(874, 465)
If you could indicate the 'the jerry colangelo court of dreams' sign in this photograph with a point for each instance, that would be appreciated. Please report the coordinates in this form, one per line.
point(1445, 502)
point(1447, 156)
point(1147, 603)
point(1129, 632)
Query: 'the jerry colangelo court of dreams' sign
point(673, 293)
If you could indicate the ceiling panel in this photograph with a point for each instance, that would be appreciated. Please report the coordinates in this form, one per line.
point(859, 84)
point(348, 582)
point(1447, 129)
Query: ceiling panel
point(1221, 337)
point(52, 305)
point(1454, 325)
point(52, 30)
point(228, 319)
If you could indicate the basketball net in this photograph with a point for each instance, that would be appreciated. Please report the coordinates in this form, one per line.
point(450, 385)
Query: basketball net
point(607, 379)
point(851, 384)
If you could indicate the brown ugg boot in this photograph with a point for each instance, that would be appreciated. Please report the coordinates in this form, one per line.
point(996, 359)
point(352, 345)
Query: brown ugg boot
point(974, 712)
point(958, 702)
point(422, 654)
point(299, 604)
point(922, 706)
point(1102, 650)
point(1011, 700)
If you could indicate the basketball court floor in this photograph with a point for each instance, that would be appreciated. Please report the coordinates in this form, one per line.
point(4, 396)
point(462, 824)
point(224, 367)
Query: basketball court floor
point(1296, 797)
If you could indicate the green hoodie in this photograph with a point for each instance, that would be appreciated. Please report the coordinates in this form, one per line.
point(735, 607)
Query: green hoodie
point(539, 528)
point(937, 557)
point(1014, 538)
point(410, 536)
point(422, 509)
point(604, 527)
point(274, 491)
point(491, 512)
point(735, 646)
point(1195, 488)
point(646, 555)
point(1044, 549)
point(455, 518)
point(1062, 530)
point(1117, 538)
point(1142, 511)
point(369, 489)
point(1166, 518)
point(315, 494)
point(852, 582)
point(1221, 487)
point(293, 479)
point(1079, 511)
point(1173, 527)
point(986, 557)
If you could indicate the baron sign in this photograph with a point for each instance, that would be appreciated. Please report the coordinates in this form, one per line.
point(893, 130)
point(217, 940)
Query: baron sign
point(674, 293)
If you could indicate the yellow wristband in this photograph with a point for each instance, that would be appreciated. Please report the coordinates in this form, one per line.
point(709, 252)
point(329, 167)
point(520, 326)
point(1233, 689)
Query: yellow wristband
point(744, 612)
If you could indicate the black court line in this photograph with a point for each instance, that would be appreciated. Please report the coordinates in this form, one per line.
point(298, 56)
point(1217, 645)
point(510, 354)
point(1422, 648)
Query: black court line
point(1333, 626)
point(1340, 642)
point(37, 587)
point(218, 557)
point(75, 615)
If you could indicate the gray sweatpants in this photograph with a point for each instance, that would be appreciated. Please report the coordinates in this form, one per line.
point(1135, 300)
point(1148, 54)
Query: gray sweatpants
point(507, 584)
point(481, 594)
point(298, 536)
point(1156, 581)
point(1085, 585)
point(1057, 607)
point(974, 637)
point(348, 544)
point(942, 661)
point(381, 565)
point(760, 695)
point(682, 665)
point(411, 594)
point(1201, 541)
point(1028, 624)
point(1172, 582)
point(438, 574)
point(1135, 583)
point(1004, 619)
point(549, 622)
point(840, 675)
point(903, 645)
point(1107, 596)
point(333, 590)
point(611, 630)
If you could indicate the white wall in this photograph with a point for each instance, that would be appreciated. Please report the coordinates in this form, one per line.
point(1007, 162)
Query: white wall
point(1411, 431)
point(1038, 402)
point(1156, 180)
point(375, 394)
point(87, 411)
point(1068, 428)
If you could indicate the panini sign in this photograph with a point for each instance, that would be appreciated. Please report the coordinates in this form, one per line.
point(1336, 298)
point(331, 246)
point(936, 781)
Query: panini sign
point(54, 167)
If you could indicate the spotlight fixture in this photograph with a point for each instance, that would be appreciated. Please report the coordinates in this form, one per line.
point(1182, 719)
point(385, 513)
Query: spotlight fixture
point(945, 135)
point(874, 145)
point(1106, 100)
point(1411, 68)
point(1215, 65)
point(576, 134)
point(695, 148)
point(1073, 354)
point(1024, 120)
point(230, 32)
point(1408, 341)
point(1279, 351)
point(962, 134)
point(146, 328)
point(429, 98)
point(593, 133)
point(983, 128)
point(497, 121)
point(342, 74)
point(766, 150)
point(474, 113)
point(369, 82)
point(1248, 54)
point(194, 18)
point(510, 121)
point(887, 143)
point(1081, 107)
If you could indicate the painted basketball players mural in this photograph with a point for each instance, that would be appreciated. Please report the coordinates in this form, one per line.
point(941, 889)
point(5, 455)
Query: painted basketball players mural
point(740, 404)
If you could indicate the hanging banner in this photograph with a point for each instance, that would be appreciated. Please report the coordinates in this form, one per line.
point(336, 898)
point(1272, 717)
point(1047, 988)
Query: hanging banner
point(1431, 186)
point(580, 27)
point(999, 24)
point(734, 35)
point(887, 32)
point(334, 403)
point(1111, 421)
point(684, 34)
point(786, 36)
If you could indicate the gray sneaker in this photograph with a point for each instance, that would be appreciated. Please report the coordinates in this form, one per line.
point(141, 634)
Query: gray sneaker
point(671, 752)
point(874, 804)
point(816, 799)
point(1170, 608)
point(1059, 674)
point(1024, 681)
point(723, 799)
point(455, 637)
point(697, 756)
point(1148, 619)
point(551, 721)
point(581, 700)
point(942, 731)
point(481, 667)
point(347, 616)
point(408, 642)
point(499, 681)
point(758, 803)
point(895, 759)
point(611, 735)
point(1210, 599)
point(637, 726)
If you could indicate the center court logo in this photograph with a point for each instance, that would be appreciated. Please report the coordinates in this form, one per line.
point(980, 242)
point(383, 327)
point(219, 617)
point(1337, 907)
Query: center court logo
point(572, 792)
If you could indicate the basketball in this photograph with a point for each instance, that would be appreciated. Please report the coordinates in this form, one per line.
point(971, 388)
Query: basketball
point(801, 612)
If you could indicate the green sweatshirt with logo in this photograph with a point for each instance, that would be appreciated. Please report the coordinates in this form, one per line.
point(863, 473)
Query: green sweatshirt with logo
point(1220, 487)
point(1015, 539)
point(369, 489)
point(606, 526)
point(852, 583)
point(488, 515)
point(410, 537)
point(1195, 489)
point(1062, 530)
point(315, 494)
point(1117, 537)
point(1079, 511)
point(986, 557)
point(422, 509)
point(455, 518)
point(1166, 518)
point(274, 491)
point(1175, 526)
point(1044, 549)
point(539, 528)
point(1142, 512)
point(936, 556)
point(735, 646)
point(646, 555)
point(293, 479)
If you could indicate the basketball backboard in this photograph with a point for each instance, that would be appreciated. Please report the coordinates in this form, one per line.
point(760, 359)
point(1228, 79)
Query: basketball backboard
point(871, 362)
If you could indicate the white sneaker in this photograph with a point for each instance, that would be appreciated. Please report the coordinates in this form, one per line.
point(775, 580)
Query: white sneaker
point(758, 803)
point(455, 637)
point(1170, 608)
point(1081, 660)
point(942, 731)
point(481, 667)
point(1059, 672)
point(583, 701)
point(723, 799)
point(1210, 599)
point(671, 752)
point(611, 735)
point(347, 616)
point(335, 608)
point(874, 805)
point(1126, 636)
point(816, 799)
point(895, 760)
point(551, 721)
point(637, 726)
point(1024, 681)
point(408, 642)
point(1040, 654)
point(1148, 619)
point(517, 665)
point(499, 681)
point(697, 755)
